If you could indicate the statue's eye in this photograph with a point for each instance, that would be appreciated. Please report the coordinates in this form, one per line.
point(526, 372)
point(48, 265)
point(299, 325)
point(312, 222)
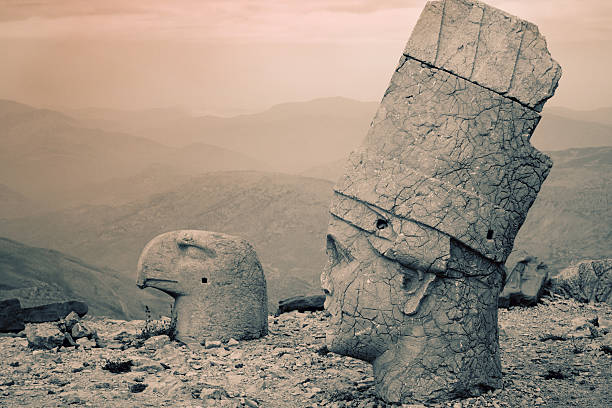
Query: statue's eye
point(490, 234)
point(381, 224)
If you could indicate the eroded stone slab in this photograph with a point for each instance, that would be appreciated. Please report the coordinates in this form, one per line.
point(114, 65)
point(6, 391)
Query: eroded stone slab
point(216, 280)
point(488, 47)
point(428, 209)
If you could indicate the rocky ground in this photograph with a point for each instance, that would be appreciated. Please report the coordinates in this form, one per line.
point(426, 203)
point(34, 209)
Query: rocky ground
point(554, 355)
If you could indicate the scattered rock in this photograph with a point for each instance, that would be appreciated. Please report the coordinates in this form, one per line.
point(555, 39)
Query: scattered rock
point(44, 336)
point(71, 320)
point(137, 387)
point(156, 342)
point(301, 304)
point(525, 284)
point(587, 281)
point(215, 393)
point(80, 330)
point(209, 344)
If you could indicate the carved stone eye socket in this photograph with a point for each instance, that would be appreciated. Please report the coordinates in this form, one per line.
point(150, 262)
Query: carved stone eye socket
point(490, 234)
point(381, 224)
point(204, 280)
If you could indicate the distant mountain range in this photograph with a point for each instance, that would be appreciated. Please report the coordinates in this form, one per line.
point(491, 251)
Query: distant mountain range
point(46, 154)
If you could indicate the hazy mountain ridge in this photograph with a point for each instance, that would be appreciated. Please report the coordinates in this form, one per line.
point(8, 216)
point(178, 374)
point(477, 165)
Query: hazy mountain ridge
point(40, 275)
point(46, 153)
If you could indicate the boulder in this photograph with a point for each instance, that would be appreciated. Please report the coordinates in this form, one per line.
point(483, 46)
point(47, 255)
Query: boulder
point(80, 330)
point(44, 336)
point(301, 304)
point(11, 317)
point(216, 280)
point(53, 312)
point(525, 284)
point(587, 281)
point(429, 206)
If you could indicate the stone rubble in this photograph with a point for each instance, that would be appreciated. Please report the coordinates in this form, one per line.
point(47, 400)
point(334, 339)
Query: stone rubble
point(291, 368)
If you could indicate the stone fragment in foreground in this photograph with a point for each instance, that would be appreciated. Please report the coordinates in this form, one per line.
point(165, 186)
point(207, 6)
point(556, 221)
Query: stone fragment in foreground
point(430, 204)
point(216, 280)
point(525, 284)
point(587, 281)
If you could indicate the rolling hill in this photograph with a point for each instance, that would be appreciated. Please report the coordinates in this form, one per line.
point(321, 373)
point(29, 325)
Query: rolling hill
point(39, 276)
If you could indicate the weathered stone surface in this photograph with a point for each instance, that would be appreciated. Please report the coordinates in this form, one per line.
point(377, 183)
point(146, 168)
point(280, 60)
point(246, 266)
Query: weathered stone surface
point(302, 304)
point(44, 336)
point(11, 318)
point(430, 204)
point(216, 280)
point(525, 284)
point(488, 47)
point(587, 281)
point(53, 312)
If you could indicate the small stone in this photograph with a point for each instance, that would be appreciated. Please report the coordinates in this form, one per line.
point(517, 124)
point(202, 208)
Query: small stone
point(85, 343)
point(71, 320)
point(232, 342)
point(137, 387)
point(156, 342)
point(146, 364)
point(80, 330)
point(457, 405)
point(213, 393)
point(209, 344)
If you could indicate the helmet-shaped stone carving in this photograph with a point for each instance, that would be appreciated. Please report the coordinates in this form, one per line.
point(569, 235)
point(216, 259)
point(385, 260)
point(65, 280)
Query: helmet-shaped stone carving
point(216, 280)
point(428, 209)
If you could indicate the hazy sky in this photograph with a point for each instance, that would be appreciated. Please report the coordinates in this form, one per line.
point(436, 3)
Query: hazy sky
point(231, 55)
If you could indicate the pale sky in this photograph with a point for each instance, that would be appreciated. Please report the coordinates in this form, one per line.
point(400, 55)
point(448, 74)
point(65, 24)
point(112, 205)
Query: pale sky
point(226, 56)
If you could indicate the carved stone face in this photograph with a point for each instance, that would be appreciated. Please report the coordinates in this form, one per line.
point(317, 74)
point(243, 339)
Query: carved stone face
point(216, 280)
point(429, 206)
point(374, 282)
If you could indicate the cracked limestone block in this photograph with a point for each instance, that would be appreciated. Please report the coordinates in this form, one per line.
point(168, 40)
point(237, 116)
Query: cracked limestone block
point(216, 280)
point(486, 46)
point(428, 209)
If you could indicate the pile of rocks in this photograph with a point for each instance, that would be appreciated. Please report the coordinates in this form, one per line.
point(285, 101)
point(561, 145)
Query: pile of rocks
point(69, 332)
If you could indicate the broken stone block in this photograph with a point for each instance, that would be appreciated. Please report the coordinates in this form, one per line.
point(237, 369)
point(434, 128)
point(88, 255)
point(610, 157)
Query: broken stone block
point(216, 280)
point(44, 336)
point(53, 312)
point(427, 212)
point(587, 281)
point(488, 47)
point(301, 304)
point(525, 284)
point(11, 317)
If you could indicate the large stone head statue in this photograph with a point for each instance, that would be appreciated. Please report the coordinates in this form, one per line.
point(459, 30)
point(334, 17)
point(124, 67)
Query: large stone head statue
point(216, 281)
point(429, 207)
